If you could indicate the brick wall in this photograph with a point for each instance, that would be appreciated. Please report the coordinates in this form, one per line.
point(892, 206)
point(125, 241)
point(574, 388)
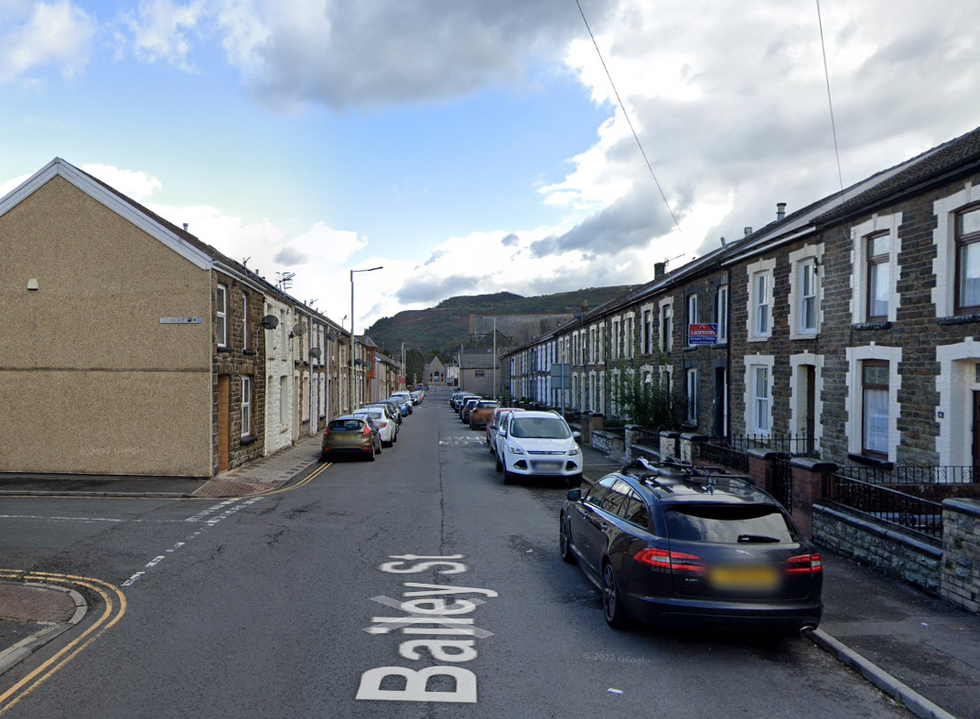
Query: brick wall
point(913, 560)
point(960, 575)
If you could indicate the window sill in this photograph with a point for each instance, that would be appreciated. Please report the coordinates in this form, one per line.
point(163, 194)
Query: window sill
point(225, 350)
point(809, 337)
point(249, 439)
point(249, 353)
point(865, 326)
point(870, 461)
point(758, 339)
point(958, 319)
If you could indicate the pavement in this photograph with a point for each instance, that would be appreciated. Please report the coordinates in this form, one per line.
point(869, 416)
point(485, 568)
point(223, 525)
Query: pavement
point(916, 648)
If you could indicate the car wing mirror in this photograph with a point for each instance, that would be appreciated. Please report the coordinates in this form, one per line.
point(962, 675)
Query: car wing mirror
point(574, 495)
point(577, 436)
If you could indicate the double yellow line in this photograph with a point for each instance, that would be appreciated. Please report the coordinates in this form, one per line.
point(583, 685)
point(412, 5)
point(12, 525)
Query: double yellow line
point(115, 607)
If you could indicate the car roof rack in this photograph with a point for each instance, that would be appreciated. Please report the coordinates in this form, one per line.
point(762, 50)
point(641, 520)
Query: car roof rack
point(673, 470)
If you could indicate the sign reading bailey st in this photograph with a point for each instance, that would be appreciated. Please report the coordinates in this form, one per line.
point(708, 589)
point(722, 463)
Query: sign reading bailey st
point(702, 334)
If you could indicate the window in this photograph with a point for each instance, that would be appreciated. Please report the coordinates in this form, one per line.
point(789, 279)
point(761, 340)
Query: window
point(968, 261)
point(282, 329)
point(761, 313)
point(666, 330)
point(721, 313)
point(221, 319)
point(760, 401)
point(692, 315)
point(629, 337)
point(874, 407)
point(244, 321)
point(808, 298)
point(878, 248)
point(283, 395)
point(246, 406)
point(616, 341)
point(692, 395)
point(647, 332)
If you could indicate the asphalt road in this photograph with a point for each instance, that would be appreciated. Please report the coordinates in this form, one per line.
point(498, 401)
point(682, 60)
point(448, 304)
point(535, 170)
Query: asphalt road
point(258, 607)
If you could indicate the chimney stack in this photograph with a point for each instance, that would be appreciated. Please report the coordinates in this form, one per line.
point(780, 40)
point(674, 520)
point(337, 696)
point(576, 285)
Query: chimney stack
point(780, 211)
point(748, 231)
point(659, 268)
point(585, 306)
point(185, 227)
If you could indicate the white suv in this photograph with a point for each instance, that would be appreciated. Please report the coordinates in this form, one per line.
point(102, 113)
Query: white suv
point(538, 444)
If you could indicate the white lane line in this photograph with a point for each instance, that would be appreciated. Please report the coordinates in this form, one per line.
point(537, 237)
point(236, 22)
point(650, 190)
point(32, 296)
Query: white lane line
point(111, 520)
point(230, 506)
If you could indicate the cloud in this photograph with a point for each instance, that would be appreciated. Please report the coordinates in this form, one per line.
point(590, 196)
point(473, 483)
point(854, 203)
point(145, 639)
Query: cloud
point(160, 31)
point(511, 240)
point(430, 290)
point(58, 33)
point(378, 52)
point(289, 256)
point(136, 184)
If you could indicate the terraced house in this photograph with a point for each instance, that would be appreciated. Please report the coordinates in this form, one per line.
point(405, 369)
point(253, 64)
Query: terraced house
point(134, 348)
point(849, 325)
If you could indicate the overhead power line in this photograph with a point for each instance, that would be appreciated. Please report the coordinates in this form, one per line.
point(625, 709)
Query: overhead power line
point(626, 115)
point(830, 100)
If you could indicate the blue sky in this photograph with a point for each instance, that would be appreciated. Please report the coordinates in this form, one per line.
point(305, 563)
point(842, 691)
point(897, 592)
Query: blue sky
point(473, 146)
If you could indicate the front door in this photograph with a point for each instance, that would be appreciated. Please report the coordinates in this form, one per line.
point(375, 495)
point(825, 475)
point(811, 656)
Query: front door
point(811, 407)
point(224, 420)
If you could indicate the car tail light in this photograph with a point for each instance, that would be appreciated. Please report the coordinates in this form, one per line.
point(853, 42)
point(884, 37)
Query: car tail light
point(665, 559)
point(326, 431)
point(367, 431)
point(804, 564)
point(382, 424)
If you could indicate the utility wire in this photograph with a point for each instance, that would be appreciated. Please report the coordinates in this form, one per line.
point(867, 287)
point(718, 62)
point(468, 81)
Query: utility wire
point(626, 115)
point(830, 101)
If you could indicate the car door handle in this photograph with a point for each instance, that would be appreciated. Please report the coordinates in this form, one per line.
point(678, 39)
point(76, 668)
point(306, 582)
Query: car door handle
point(601, 526)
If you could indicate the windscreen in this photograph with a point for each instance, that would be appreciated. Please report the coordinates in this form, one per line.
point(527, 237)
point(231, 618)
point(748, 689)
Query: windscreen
point(539, 428)
point(346, 425)
point(726, 524)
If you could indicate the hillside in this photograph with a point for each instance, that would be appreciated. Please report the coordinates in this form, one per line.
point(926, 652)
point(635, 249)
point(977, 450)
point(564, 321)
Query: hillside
point(443, 328)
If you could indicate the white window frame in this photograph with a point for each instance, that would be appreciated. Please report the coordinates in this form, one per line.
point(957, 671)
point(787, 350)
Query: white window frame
point(692, 315)
point(666, 325)
point(854, 424)
point(221, 315)
point(614, 352)
point(246, 405)
point(758, 406)
point(812, 256)
point(691, 392)
point(721, 313)
point(944, 240)
point(244, 321)
point(766, 269)
point(859, 261)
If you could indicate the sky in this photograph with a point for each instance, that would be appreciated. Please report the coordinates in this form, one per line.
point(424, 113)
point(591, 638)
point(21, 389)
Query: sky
point(477, 146)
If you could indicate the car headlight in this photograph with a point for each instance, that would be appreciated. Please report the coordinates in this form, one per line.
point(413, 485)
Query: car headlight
point(574, 452)
point(514, 449)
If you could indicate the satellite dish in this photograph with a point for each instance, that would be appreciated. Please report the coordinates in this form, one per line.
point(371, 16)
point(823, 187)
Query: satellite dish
point(315, 352)
point(269, 322)
point(332, 336)
point(299, 329)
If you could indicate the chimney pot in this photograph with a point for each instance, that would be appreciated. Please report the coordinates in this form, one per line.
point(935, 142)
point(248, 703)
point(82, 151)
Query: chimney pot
point(780, 210)
point(748, 231)
point(185, 227)
point(659, 268)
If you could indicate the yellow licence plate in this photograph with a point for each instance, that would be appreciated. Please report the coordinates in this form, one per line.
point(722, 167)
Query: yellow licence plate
point(744, 577)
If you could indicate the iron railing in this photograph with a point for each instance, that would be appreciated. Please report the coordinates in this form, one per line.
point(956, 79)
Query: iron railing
point(782, 480)
point(724, 455)
point(913, 474)
point(887, 505)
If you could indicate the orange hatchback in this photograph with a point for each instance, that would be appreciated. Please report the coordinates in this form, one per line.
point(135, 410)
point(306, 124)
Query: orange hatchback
point(481, 414)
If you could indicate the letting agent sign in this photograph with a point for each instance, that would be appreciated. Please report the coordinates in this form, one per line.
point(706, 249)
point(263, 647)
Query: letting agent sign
point(702, 334)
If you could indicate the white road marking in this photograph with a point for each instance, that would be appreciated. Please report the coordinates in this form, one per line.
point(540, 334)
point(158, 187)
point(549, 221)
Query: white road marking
point(111, 520)
point(231, 506)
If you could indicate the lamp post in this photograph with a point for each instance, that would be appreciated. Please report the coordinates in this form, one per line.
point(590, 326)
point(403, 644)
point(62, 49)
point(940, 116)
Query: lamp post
point(372, 269)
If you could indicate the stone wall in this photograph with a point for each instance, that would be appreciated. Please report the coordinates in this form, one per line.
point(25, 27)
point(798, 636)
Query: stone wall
point(960, 573)
point(914, 560)
point(608, 443)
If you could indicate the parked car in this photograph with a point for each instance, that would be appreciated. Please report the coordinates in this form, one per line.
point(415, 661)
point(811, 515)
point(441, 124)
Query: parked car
point(680, 546)
point(495, 418)
point(468, 404)
point(394, 407)
point(387, 428)
point(480, 414)
point(350, 435)
point(404, 405)
point(416, 397)
point(403, 397)
point(538, 444)
point(460, 397)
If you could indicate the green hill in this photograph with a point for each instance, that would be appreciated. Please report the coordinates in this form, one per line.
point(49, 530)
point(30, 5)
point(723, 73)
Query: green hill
point(443, 328)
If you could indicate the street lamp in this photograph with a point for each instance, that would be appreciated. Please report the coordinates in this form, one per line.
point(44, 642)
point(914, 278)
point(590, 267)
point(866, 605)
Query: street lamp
point(372, 269)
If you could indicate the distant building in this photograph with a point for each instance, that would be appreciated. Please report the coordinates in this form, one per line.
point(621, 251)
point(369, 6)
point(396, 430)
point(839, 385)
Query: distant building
point(477, 370)
point(435, 372)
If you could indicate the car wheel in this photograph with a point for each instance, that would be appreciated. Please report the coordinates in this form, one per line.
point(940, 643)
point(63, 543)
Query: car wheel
point(509, 478)
point(499, 467)
point(564, 548)
point(371, 456)
point(612, 602)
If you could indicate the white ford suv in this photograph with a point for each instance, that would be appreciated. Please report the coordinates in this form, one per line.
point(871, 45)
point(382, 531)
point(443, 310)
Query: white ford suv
point(538, 444)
